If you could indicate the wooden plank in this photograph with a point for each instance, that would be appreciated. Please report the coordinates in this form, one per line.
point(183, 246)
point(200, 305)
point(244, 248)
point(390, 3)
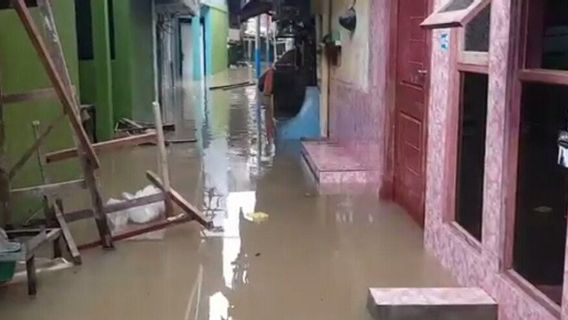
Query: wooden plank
point(69, 106)
point(39, 153)
point(48, 210)
point(473, 68)
point(127, 204)
point(134, 203)
point(39, 94)
point(32, 150)
point(32, 276)
point(21, 233)
point(58, 68)
point(544, 76)
point(87, 156)
point(43, 237)
point(163, 167)
point(143, 229)
point(50, 190)
point(233, 86)
point(480, 59)
point(178, 199)
point(104, 147)
point(69, 241)
point(132, 123)
point(443, 18)
point(82, 214)
point(190, 209)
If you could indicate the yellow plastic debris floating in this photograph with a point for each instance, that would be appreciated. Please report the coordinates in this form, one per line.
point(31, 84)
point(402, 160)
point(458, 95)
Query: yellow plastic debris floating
point(259, 217)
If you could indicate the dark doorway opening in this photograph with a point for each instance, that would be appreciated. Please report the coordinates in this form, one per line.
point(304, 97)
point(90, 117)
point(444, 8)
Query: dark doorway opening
point(542, 197)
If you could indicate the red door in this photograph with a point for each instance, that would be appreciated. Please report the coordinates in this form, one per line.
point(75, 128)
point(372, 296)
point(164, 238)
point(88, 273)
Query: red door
point(412, 63)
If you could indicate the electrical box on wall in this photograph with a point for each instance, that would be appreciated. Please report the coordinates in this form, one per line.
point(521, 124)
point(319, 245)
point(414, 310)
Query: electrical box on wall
point(332, 47)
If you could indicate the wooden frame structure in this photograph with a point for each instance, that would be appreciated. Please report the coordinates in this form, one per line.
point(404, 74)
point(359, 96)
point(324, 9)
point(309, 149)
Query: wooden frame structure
point(51, 56)
point(456, 13)
point(37, 237)
point(524, 68)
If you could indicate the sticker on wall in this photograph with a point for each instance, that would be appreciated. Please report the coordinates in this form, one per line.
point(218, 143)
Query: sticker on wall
point(445, 41)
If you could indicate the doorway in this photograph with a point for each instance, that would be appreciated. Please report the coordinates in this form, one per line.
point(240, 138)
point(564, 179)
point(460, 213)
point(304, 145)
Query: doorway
point(410, 108)
point(187, 57)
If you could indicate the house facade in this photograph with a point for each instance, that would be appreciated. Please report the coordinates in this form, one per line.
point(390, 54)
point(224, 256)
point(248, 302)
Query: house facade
point(456, 110)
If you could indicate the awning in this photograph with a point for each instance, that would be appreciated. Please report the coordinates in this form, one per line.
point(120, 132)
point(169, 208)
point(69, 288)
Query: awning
point(253, 8)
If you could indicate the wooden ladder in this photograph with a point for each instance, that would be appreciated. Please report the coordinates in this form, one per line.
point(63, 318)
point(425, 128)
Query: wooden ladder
point(52, 58)
point(51, 55)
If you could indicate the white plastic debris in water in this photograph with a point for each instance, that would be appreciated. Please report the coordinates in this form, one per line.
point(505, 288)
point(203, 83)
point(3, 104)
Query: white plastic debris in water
point(138, 215)
point(149, 212)
point(117, 219)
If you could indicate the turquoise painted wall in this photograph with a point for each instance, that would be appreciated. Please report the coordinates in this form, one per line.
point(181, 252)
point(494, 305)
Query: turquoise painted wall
point(197, 48)
point(216, 22)
point(217, 32)
point(22, 71)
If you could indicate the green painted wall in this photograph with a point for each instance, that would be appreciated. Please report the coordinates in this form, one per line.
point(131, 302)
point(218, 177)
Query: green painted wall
point(142, 60)
point(133, 72)
point(121, 66)
point(102, 71)
point(87, 81)
point(217, 32)
point(132, 66)
point(21, 71)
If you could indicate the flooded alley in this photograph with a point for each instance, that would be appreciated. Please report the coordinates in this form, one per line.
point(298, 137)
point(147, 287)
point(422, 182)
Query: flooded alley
point(278, 250)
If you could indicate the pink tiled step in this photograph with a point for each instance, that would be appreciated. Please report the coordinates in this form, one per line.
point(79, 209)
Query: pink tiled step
point(333, 164)
point(431, 304)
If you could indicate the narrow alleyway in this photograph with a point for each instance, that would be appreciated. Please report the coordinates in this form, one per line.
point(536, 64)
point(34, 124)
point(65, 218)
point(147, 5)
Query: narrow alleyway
point(312, 257)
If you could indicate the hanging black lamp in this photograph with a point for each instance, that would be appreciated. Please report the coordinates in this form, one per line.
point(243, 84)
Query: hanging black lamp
point(349, 19)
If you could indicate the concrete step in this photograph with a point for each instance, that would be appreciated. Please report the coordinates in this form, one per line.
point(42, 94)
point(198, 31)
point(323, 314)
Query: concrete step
point(431, 304)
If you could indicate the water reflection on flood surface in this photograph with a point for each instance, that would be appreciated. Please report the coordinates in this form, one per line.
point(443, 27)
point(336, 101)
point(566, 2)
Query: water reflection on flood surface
point(278, 251)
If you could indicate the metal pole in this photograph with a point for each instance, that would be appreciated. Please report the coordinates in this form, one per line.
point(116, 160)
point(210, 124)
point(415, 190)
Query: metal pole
point(268, 39)
point(163, 167)
point(257, 49)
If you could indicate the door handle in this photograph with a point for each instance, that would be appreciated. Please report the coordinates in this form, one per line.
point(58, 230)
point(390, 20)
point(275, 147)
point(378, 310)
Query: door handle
point(422, 71)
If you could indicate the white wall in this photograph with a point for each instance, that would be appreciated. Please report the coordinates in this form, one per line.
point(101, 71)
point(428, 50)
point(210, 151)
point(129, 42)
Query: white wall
point(355, 46)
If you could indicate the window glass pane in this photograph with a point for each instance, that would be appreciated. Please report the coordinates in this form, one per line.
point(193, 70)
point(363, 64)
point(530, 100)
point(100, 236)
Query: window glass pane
point(477, 32)
point(456, 5)
point(542, 185)
point(548, 34)
point(471, 153)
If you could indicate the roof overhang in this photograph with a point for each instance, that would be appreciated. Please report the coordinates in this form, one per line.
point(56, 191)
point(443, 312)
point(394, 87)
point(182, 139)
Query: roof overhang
point(253, 8)
point(181, 7)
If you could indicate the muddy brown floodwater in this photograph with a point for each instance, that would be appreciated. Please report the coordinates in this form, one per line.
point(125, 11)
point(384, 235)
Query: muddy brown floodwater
point(280, 250)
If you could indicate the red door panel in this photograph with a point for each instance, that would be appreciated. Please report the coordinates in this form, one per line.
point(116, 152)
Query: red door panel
point(410, 107)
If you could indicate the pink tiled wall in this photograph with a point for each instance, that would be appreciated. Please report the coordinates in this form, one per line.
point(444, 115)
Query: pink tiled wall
point(470, 265)
point(358, 118)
